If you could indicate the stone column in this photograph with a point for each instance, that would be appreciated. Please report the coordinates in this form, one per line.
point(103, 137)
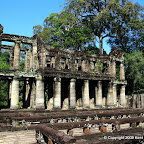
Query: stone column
point(109, 67)
point(16, 63)
point(15, 94)
point(110, 99)
point(85, 97)
point(134, 100)
point(142, 100)
point(27, 92)
point(34, 53)
point(0, 52)
point(122, 96)
point(11, 59)
point(33, 95)
point(57, 93)
point(96, 93)
point(114, 68)
point(138, 101)
point(10, 90)
point(1, 31)
point(72, 93)
point(122, 71)
point(99, 94)
point(39, 93)
point(26, 61)
point(115, 94)
point(91, 65)
point(30, 59)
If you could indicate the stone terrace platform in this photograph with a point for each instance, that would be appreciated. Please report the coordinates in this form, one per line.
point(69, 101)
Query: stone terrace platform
point(20, 126)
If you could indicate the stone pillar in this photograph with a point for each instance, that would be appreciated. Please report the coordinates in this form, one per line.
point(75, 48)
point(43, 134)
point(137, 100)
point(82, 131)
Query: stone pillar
point(34, 53)
point(10, 90)
point(11, 59)
point(39, 93)
point(72, 93)
point(1, 31)
point(96, 93)
point(57, 93)
point(138, 101)
point(16, 63)
point(99, 94)
point(109, 67)
point(85, 96)
point(142, 100)
point(26, 61)
point(33, 96)
point(114, 68)
point(91, 65)
point(115, 94)
point(122, 71)
point(0, 52)
point(134, 100)
point(122, 96)
point(30, 59)
point(27, 92)
point(15, 94)
point(110, 99)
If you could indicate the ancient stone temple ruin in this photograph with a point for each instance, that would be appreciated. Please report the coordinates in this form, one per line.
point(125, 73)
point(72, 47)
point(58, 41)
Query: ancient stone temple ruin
point(62, 78)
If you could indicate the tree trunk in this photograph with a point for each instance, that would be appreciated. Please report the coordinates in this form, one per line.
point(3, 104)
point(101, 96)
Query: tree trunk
point(101, 44)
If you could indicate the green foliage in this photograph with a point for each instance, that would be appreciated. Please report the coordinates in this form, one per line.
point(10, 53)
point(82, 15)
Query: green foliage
point(63, 30)
point(129, 35)
point(21, 94)
point(5, 60)
point(134, 65)
point(22, 64)
point(117, 72)
point(99, 65)
point(3, 93)
point(4, 84)
point(82, 22)
point(118, 20)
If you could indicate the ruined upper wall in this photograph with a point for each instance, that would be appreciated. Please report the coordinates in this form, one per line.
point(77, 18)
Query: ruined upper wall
point(49, 61)
point(76, 62)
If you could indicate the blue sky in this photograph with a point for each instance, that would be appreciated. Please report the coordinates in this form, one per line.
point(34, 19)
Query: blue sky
point(19, 16)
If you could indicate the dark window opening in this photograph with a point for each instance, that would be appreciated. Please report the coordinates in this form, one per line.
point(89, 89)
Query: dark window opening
point(66, 67)
point(104, 70)
point(79, 68)
point(48, 65)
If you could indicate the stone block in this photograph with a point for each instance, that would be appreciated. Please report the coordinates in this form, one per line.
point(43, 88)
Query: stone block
point(116, 127)
point(103, 129)
point(70, 132)
point(50, 141)
point(86, 130)
point(133, 125)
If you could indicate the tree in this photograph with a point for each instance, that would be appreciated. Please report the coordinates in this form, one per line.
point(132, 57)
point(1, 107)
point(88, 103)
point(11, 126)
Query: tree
point(63, 30)
point(130, 37)
point(134, 65)
point(106, 18)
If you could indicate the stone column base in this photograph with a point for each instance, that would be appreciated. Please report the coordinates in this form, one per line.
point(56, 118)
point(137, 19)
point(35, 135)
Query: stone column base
point(98, 106)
